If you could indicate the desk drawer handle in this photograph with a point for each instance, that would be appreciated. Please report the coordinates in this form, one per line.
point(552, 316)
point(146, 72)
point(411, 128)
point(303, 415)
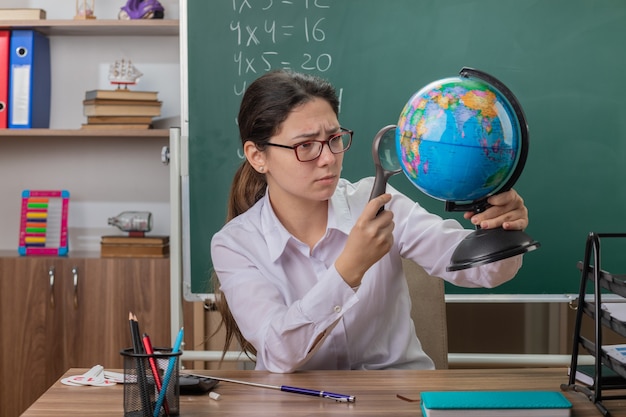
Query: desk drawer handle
point(75, 275)
point(51, 276)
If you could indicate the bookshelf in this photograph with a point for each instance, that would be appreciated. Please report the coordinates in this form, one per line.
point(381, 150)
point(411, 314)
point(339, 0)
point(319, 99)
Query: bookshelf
point(157, 27)
point(8, 134)
point(106, 171)
point(81, 160)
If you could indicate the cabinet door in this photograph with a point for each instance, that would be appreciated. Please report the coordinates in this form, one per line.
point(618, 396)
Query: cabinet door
point(32, 356)
point(108, 289)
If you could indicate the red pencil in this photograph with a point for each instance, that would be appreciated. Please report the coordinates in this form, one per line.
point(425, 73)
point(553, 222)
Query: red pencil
point(147, 344)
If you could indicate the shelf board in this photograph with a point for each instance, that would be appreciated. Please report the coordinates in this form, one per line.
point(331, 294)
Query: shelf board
point(83, 133)
point(12, 253)
point(96, 27)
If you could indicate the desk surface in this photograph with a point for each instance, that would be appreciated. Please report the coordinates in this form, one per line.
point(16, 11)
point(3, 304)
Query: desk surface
point(375, 393)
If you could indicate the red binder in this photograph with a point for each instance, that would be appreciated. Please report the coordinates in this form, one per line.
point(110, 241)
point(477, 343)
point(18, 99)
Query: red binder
point(5, 37)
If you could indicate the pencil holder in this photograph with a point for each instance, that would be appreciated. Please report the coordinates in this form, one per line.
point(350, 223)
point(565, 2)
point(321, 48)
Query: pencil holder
point(143, 375)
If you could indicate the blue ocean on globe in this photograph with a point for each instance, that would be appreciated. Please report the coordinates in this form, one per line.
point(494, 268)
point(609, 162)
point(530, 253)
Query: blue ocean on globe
point(458, 139)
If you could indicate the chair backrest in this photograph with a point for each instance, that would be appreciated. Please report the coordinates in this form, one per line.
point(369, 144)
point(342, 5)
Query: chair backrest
point(428, 312)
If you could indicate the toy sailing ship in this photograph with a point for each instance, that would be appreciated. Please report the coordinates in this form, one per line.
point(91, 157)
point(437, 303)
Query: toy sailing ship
point(123, 73)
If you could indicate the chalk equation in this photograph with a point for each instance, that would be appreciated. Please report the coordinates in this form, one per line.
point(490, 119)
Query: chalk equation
point(264, 41)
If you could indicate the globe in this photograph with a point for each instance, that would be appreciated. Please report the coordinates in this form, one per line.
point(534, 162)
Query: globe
point(459, 139)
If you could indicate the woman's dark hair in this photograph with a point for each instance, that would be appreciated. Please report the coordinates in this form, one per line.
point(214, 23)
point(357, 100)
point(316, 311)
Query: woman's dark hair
point(265, 105)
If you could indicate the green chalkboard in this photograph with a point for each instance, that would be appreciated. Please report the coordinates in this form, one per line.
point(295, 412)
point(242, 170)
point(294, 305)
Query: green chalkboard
point(563, 59)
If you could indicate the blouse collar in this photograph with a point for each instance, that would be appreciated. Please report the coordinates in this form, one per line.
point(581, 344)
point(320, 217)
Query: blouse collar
point(277, 237)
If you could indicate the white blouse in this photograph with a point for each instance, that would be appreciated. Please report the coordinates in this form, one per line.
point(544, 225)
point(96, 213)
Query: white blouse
point(284, 296)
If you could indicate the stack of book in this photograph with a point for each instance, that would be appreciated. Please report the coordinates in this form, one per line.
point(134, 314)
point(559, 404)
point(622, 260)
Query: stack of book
point(118, 246)
point(22, 14)
point(120, 109)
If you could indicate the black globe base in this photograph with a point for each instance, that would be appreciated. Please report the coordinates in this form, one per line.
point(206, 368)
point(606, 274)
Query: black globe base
point(484, 246)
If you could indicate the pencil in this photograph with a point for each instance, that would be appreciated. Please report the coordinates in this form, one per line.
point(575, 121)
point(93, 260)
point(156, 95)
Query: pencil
point(147, 344)
point(141, 370)
point(168, 373)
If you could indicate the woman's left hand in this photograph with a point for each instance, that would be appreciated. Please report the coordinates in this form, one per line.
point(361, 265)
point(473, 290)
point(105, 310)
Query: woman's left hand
point(506, 209)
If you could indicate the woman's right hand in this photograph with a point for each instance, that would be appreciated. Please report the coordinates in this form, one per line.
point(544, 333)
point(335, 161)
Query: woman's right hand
point(370, 239)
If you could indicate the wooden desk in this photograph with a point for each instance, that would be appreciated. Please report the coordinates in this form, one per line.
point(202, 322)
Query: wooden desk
point(375, 393)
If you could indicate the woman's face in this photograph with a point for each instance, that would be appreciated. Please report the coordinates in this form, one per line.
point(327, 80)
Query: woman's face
point(291, 181)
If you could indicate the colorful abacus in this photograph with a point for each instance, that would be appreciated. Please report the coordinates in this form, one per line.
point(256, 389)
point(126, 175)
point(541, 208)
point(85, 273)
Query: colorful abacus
point(43, 226)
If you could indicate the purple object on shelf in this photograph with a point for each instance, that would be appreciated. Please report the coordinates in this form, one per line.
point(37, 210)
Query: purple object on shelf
point(141, 9)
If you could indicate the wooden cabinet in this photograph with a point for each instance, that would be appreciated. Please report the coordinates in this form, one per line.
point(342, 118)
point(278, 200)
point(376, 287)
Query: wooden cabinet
point(107, 290)
point(32, 331)
point(59, 313)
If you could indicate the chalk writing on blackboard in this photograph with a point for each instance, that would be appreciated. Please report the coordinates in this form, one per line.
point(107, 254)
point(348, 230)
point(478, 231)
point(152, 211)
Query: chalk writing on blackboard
point(263, 32)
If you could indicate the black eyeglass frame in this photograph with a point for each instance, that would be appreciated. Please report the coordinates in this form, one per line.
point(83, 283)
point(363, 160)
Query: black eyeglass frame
point(323, 142)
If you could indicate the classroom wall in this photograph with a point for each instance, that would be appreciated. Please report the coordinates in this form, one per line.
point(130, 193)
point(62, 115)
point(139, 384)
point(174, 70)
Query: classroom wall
point(104, 177)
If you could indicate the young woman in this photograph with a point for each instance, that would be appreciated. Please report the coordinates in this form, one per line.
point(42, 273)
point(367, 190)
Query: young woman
point(312, 276)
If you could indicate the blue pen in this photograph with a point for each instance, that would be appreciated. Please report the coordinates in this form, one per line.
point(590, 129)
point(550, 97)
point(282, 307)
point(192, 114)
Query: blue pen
point(168, 374)
point(343, 398)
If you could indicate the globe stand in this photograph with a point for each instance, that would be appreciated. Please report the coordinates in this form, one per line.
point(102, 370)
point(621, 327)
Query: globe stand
point(484, 246)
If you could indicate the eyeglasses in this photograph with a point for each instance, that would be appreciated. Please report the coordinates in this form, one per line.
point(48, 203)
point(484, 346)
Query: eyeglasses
point(311, 150)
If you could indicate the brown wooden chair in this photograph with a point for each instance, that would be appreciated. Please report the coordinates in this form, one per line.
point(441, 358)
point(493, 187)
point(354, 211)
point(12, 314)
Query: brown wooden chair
point(428, 312)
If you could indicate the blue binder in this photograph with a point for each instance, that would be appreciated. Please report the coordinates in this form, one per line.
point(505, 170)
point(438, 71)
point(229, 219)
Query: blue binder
point(29, 80)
